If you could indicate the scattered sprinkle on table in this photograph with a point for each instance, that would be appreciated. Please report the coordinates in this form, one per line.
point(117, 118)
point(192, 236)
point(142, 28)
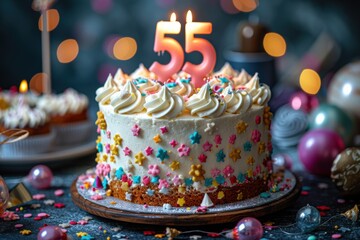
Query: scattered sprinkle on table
point(336, 236)
point(39, 196)
point(59, 192)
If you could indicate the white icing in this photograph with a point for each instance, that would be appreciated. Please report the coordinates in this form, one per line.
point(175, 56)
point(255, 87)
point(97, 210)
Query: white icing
point(203, 104)
point(164, 104)
point(147, 86)
point(128, 100)
point(241, 79)
point(104, 93)
point(261, 94)
point(24, 116)
point(120, 78)
point(237, 101)
point(182, 87)
point(226, 71)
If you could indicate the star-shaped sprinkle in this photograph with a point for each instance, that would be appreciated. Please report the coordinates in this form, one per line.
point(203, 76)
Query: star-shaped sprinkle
point(217, 139)
point(157, 138)
point(207, 146)
point(197, 172)
point(127, 151)
point(202, 158)
point(235, 154)
point(183, 150)
point(232, 139)
point(164, 130)
point(261, 147)
point(210, 127)
point(228, 171)
point(119, 173)
point(153, 169)
point(215, 172)
point(175, 165)
point(114, 150)
point(135, 130)
point(25, 232)
point(241, 126)
point(176, 180)
point(150, 192)
point(107, 148)
point(220, 156)
point(220, 195)
point(162, 154)
point(117, 139)
point(181, 202)
point(173, 143)
point(139, 158)
point(250, 160)
point(82, 222)
point(81, 234)
point(195, 137)
point(149, 150)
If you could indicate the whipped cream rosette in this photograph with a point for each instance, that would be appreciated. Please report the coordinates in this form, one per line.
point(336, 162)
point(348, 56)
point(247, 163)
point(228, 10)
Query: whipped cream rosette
point(147, 86)
point(183, 87)
point(237, 101)
point(143, 72)
point(104, 93)
point(226, 71)
point(164, 104)
point(120, 78)
point(128, 100)
point(241, 79)
point(205, 104)
point(261, 94)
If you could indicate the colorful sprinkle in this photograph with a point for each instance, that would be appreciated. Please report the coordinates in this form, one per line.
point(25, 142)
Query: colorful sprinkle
point(220, 156)
point(149, 150)
point(210, 127)
point(157, 138)
point(336, 236)
point(265, 195)
point(162, 154)
point(241, 127)
point(175, 165)
point(256, 136)
point(59, 192)
point(127, 151)
point(173, 143)
point(247, 146)
point(228, 171)
point(220, 195)
point(217, 139)
point(195, 137)
point(202, 158)
point(140, 158)
point(135, 130)
point(215, 172)
point(180, 202)
point(258, 119)
point(232, 139)
point(25, 232)
point(235, 154)
point(117, 139)
point(153, 169)
point(39, 196)
point(207, 146)
point(164, 130)
point(197, 172)
point(183, 150)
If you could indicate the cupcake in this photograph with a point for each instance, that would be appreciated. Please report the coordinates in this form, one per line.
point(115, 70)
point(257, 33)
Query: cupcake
point(33, 120)
point(68, 114)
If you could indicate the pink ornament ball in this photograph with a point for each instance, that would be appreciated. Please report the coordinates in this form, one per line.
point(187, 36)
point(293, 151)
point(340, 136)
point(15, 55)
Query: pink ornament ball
point(318, 149)
point(302, 101)
point(40, 177)
point(248, 228)
point(51, 233)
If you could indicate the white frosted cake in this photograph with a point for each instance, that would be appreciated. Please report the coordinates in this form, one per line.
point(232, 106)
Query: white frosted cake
point(174, 144)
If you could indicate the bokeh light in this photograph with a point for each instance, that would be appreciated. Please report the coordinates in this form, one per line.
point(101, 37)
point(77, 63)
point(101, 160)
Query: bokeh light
point(101, 6)
point(67, 51)
point(23, 86)
point(245, 5)
point(36, 82)
point(124, 48)
point(310, 81)
point(53, 20)
point(228, 7)
point(274, 44)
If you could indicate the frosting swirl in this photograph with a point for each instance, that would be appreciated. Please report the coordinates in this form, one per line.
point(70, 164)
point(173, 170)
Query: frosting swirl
point(241, 79)
point(219, 83)
point(237, 101)
point(104, 93)
point(147, 86)
point(226, 71)
point(205, 104)
point(120, 78)
point(164, 104)
point(143, 72)
point(261, 94)
point(183, 87)
point(128, 100)
point(24, 116)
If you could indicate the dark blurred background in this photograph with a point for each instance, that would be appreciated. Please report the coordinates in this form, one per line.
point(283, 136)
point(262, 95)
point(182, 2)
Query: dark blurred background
point(97, 24)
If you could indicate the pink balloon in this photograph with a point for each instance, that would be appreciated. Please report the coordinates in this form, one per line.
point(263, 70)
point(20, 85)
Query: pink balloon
point(40, 177)
point(318, 149)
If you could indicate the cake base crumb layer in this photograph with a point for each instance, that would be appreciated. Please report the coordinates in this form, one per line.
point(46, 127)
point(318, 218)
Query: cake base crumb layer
point(191, 197)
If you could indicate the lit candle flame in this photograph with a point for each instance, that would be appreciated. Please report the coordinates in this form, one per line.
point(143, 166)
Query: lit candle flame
point(189, 16)
point(173, 17)
point(23, 86)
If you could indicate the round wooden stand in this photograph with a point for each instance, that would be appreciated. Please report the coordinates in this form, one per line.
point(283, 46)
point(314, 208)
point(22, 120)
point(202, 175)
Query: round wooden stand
point(190, 219)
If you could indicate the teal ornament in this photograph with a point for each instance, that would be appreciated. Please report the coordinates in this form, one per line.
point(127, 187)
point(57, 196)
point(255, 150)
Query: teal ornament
point(334, 118)
point(308, 218)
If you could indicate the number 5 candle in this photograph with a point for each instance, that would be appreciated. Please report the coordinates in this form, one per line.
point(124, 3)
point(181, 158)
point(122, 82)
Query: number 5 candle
point(198, 72)
point(162, 43)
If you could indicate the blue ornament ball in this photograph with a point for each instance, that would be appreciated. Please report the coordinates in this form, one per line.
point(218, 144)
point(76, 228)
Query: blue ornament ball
point(308, 218)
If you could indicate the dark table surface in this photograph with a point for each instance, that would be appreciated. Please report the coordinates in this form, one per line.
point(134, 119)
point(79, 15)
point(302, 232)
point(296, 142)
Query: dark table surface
point(317, 191)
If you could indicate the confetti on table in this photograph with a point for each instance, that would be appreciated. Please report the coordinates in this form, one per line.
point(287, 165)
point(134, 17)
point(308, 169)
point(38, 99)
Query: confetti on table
point(39, 196)
point(72, 222)
point(35, 206)
point(59, 205)
point(87, 218)
point(49, 202)
point(64, 225)
point(59, 192)
point(43, 215)
point(336, 236)
point(19, 225)
point(25, 232)
point(82, 222)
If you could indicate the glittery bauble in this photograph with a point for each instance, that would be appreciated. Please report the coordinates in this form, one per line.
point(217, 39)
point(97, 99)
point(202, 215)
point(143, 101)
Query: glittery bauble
point(51, 233)
point(248, 229)
point(303, 101)
point(282, 160)
point(332, 117)
point(345, 87)
point(4, 195)
point(288, 126)
point(345, 172)
point(308, 218)
point(318, 149)
point(40, 177)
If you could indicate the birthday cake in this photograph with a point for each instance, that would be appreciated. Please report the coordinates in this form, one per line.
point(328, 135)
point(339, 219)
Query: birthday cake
point(169, 143)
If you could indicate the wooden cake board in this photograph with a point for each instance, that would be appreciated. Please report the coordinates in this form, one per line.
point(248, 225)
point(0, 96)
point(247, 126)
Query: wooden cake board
point(191, 219)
